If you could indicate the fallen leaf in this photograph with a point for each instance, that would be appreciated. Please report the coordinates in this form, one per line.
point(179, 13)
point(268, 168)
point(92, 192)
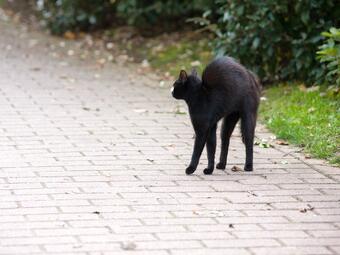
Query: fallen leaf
point(110, 58)
point(145, 63)
point(121, 59)
point(252, 193)
point(70, 52)
point(72, 80)
point(109, 45)
point(101, 61)
point(311, 109)
point(69, 35)
point(281, 142)
point(302, 88)
point(179, 110)
point(195, 63)
point(140, 110)
point(313, 88)
point(263, 144)
point(309, 208)
point(32, 43)
point(236, 169)
point(128, 246)
point(210, 213)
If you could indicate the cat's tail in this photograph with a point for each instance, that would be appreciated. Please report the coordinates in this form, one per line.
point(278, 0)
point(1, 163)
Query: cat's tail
point(255, 81)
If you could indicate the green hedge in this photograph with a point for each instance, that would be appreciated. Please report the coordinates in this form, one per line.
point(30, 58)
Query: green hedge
point(63, 15)
point(148, 12)
point(329, 54)
point(277, 39)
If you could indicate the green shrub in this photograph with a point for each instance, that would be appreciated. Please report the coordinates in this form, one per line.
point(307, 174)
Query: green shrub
point(329, 54)
point(277, 39)
point(146, 12)
point(63, 15)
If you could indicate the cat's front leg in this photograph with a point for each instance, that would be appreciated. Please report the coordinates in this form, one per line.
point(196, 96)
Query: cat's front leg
point(211, 149)
point(200, 140)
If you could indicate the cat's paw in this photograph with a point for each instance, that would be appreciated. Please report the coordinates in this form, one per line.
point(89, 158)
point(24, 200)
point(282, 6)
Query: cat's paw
point(190, 170)
point(248, 168)
point(220, 166)
point(208, 171)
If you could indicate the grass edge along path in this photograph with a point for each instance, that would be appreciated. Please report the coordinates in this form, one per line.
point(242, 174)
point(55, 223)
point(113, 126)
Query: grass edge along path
point(306, 117)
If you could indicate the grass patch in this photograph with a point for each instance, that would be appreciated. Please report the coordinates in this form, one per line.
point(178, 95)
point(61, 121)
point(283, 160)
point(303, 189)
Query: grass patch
point(309, 118)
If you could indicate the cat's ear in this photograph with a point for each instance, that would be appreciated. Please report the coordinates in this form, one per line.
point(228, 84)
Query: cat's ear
point(183, 76)
point(194, 72)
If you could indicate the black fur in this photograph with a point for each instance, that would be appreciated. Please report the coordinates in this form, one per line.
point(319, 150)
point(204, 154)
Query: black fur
point(227, 90)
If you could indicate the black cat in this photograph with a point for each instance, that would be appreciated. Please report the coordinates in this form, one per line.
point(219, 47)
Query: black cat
point(227, 90)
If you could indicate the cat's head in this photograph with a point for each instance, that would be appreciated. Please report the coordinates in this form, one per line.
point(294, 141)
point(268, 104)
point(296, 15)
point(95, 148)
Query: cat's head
point(186, 85)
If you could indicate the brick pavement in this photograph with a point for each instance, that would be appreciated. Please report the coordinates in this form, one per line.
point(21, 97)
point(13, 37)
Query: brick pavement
point(92, 162)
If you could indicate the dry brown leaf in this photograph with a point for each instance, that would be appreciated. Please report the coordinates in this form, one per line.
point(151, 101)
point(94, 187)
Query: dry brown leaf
point(69, 35)
point(236, 169)
point(302, 88)
point(280, 142)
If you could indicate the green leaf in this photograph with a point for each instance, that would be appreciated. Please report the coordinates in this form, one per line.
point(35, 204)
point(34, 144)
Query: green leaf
point(256, 43)
point(305, 17)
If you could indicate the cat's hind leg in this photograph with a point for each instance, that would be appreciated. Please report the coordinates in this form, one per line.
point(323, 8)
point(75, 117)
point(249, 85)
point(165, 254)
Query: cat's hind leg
point(228, 125)
point(248, 123)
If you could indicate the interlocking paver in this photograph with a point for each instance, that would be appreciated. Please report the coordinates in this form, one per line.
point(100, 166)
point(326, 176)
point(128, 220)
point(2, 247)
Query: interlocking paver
point(94, 165)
